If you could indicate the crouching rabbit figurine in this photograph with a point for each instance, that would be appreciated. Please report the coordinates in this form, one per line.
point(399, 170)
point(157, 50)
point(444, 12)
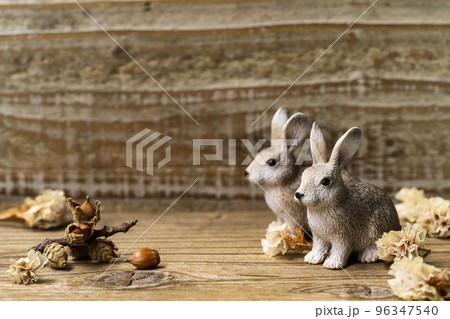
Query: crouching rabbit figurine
point(275, 170)
point(343, 218)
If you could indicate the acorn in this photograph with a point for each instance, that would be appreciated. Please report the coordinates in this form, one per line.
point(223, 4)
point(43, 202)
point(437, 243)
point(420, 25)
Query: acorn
point(87, 208)
point(83, 229)
point(144, 258)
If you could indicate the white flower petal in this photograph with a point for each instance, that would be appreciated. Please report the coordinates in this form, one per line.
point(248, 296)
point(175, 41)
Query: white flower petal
point(23, 270)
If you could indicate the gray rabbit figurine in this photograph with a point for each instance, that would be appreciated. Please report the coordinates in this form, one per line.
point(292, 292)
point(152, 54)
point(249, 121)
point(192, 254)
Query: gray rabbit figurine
point(274, 168)
point(343, 218)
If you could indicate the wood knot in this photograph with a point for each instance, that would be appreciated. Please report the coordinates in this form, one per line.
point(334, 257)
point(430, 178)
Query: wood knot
point(134, 279)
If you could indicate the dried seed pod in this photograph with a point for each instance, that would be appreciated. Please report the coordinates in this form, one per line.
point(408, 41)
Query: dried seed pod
point(83, 229)
point(56, 255)
point(78, 252)
point(83, 213)
point(102, 250)
point(75, 239)
point(144, 258)
point(77, 234)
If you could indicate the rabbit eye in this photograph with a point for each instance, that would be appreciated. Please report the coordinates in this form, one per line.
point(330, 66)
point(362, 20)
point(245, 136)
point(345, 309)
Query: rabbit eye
point(325, 182)
point(271, 162)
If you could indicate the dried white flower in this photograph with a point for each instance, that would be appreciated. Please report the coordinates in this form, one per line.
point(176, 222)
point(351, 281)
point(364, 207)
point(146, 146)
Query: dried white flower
point(23, 270)
point(435, 218)
point(410, 207)
point(275, 242)
point(412, 195)
point(47, 210)
point(433, 214)
point(408, 242)
point(416, 280)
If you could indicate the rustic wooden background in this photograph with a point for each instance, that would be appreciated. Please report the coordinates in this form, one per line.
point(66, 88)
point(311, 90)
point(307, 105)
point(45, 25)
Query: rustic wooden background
point(70, 98)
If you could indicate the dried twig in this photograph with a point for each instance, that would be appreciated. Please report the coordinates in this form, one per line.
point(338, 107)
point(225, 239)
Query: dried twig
point(106, 231)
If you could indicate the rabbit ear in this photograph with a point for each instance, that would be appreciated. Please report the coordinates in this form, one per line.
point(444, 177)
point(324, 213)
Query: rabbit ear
point(318, 145)
point(296, 128)
point(279, 119)
point(346, 147)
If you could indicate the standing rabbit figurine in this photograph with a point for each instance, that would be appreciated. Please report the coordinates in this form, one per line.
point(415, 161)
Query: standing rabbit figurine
point(343, 218)
point(274, 168)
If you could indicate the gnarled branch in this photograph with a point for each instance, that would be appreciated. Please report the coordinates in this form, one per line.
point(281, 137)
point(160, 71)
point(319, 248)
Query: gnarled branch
point(106, 231)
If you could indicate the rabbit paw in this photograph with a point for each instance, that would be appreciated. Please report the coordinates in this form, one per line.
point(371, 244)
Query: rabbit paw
point(369, 255)
point(333, 263)
point(315, 257)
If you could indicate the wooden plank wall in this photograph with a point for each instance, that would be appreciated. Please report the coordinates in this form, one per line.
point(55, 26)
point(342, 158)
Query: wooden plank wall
point(70, 98)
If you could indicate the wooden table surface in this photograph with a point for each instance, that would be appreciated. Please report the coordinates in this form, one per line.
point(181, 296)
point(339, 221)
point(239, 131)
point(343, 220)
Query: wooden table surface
point(206, 254)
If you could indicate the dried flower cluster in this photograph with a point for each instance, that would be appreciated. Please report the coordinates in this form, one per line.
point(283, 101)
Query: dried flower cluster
point(409, 207)
point(416, 280)
point(432, 214)
point(47, 210)
point(280, 240)
point(23, 270)
point(435, 218)
point(408, 242)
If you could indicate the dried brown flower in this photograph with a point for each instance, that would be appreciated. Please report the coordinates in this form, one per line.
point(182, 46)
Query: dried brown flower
point(416, 280)
point(297, 243)
point(23, 270)
point(408, 242)
point(280, 240)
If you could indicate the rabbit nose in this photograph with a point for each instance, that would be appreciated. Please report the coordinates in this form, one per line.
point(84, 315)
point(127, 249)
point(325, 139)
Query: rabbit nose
point(246, 173)
point(299, 195)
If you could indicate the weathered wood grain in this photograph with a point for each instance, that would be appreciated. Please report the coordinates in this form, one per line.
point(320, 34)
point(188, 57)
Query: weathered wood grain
point(205, 255)
point(63, 14)
point(79, 146)
point(69, 97)
point(261, 54)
